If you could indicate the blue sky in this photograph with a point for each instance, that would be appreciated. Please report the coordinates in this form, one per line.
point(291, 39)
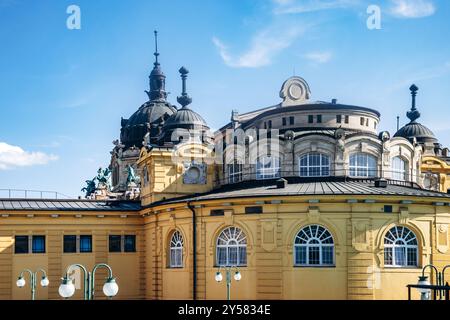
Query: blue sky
point(64, 91)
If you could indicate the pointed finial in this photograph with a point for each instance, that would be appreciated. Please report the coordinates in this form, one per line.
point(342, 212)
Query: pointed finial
point(184, 99)
point(414, 114)
point(156, 48)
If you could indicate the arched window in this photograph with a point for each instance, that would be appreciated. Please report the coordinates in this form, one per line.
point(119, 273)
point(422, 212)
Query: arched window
point(314, 246)
point(314, 165)
point(400, 248)
point(231, 248)
point(399, 168)
point(234, 172)
point(268, 167)
point(176, 250)
point(363, 165)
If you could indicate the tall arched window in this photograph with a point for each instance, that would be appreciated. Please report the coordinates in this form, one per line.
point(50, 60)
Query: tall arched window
point(314, 246)
point(176, 250)
point(234, 172)
point(314, 165)
point(400, 248)
point(231, 247)
point(268, 167)
point(399, 168)
point(363, 165)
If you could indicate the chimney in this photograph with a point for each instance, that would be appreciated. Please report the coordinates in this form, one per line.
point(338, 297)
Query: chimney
point(281, 183)
point(381, 183)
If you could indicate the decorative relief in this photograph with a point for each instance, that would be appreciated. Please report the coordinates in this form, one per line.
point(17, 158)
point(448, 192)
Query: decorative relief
point(313, 214)
point(360, 235)
point(268, 234)
point(194, 173)
point(403, 216)
point(442, 238)
point(228, 216)
point(294, 91)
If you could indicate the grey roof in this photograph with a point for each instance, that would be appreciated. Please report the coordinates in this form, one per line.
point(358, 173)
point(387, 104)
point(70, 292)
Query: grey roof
point(67, 205)
point(314, 188)
point(416, 130)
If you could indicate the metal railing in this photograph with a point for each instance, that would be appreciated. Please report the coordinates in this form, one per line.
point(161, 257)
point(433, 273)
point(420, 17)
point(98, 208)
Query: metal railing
point(31, 194)
point(294, 176)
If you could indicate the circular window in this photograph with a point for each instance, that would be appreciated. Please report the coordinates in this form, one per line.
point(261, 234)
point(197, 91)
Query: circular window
point(193, 173)
point(295, 91)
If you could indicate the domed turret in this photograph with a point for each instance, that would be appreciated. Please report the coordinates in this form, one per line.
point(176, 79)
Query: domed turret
point(415, 130)
point(185, 121)
point(152, 114)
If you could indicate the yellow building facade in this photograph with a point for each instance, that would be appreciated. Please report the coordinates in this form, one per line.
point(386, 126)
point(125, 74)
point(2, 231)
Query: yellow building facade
point(304, 198)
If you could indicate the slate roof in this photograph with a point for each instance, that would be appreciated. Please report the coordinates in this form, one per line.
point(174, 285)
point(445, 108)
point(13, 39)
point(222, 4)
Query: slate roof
point(67, 205)
point(344, 186)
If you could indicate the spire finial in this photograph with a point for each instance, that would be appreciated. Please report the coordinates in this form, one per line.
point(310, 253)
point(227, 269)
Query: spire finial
point(156, 48)
point(184, 99)
point(414, 114)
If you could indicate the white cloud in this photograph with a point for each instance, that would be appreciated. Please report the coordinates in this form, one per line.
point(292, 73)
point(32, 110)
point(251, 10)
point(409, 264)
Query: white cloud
point(303, 6)
point(319, 57)
point(13, 156)
point(264, 46)
point(412, 8)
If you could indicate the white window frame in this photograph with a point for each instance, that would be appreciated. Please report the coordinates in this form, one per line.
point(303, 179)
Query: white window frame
point(363, 165)
point(391, 245)
point(231, 238)
point(399, 168)
point(176, 250)
point(270, 172)
point(309, 242)
point(309, 167)
point(234, 172)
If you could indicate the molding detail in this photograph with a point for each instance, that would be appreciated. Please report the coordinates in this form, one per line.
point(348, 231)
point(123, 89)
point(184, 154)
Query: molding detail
point(294, 91)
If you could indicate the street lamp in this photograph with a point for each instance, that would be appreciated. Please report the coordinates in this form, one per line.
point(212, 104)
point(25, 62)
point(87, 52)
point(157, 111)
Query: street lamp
point(237, 277)
point(67, 288)
point(423, 280)
point(33, 276)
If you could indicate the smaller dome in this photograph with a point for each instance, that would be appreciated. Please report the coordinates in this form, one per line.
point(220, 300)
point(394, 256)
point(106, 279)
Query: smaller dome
point(416, 130)
point(185, 118)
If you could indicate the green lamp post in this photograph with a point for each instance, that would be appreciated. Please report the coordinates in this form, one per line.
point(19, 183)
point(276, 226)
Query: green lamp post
point(237, 276)
point(67, 288)
point(33, 276)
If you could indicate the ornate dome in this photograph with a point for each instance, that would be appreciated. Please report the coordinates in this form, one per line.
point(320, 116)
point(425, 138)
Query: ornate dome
point(414, 129)
point(146, 118)
point(185, 118)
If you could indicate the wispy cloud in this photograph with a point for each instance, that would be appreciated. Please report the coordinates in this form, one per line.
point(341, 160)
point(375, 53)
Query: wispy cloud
point(412, 8)
point(263, 47)
point(423, 75)
point(14, 156)
point(304, 6)
point(319, 57)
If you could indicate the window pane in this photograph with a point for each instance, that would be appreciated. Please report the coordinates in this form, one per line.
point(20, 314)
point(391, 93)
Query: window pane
point(400, 259)
point(327, 255)
point(412, 256)
point(114, 244)
point(130, 243)
point(313, 255)
point(388, 256)
point(300, 255)
point(221, 256)
point(242, 256)
point(70, 244)
point(38, 244)
point(232, 256)
point(85, 243)
point(21, 244)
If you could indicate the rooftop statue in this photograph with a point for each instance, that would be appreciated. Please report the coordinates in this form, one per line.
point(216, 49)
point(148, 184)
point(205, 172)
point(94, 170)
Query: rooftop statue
point(90, 187)
point(132, 178)
point(103, 177)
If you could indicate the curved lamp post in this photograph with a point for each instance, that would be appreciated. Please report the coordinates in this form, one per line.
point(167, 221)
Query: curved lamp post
point(237, 276)
point(67, 288)
point(423, 280)
point(33, 276)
